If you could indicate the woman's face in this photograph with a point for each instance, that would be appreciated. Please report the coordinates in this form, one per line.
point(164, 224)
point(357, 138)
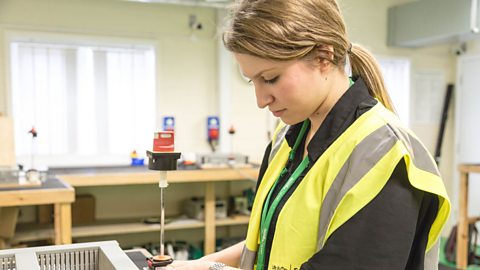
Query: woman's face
point(292, 90)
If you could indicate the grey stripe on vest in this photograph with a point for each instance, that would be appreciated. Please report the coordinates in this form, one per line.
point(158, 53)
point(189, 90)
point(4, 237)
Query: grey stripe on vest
point(248, 259)
point(431, 257)
point(278, 142)
point(420, 156)
point(362, 159)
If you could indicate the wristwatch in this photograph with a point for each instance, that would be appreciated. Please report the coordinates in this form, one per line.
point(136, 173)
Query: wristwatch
point(217, 266)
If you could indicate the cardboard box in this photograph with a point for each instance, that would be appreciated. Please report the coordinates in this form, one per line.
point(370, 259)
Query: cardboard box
point(83, 209)
point(8, 221)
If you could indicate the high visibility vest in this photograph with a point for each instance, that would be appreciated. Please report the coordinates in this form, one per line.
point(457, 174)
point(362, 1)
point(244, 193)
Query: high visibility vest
point(344, 179)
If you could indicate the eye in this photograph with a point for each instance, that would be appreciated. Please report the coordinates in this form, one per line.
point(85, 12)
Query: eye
point(271, 81)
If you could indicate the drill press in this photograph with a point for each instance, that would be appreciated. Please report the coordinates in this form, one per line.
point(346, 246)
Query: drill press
point(163, 159)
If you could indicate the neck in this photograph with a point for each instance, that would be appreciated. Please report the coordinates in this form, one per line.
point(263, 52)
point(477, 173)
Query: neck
point(339, 85)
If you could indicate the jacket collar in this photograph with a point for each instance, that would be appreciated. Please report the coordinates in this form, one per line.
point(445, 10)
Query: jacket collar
point(348, 108)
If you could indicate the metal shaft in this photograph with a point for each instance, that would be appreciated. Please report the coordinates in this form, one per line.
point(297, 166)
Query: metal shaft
point(162, 185)
point(162, 222)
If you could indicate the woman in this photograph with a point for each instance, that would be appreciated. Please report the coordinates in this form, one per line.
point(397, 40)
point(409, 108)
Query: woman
point(343, 184)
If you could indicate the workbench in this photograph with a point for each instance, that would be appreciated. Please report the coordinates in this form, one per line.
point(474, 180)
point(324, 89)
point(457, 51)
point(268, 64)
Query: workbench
point(52, 191)
point(463, 219)
point(124, 176)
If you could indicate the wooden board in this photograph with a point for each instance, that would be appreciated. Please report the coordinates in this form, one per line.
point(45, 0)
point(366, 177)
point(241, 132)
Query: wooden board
point(33, 232)
point(20, 185)
point(152, 177)
point(469, 168)
point(7, 150)
point(36, 196)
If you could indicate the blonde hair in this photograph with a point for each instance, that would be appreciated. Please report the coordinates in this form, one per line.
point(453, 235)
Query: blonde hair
point(286, 30)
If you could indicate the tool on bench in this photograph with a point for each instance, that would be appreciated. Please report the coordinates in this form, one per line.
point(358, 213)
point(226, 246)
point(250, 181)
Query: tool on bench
point(163, 159)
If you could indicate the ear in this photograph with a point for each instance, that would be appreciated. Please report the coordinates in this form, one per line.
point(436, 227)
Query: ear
point(325, 57)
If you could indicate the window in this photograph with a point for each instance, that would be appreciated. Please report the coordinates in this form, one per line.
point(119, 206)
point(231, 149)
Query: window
point(91, 105)
point(396, 73)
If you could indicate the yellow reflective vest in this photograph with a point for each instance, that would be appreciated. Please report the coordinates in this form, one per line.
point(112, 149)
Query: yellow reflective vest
point(344, 179)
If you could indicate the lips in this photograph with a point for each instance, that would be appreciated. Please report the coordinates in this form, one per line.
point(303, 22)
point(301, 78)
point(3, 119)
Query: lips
point(278, 113)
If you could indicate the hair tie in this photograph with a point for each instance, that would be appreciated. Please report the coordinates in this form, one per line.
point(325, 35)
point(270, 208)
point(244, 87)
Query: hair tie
point(349, 50)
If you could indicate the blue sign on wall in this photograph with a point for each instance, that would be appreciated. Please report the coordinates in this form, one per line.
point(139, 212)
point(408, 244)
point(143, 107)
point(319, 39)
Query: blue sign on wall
point(169, 123)
point(213, 127)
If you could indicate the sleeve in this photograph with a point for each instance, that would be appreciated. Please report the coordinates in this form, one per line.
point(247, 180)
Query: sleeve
point(391, 232)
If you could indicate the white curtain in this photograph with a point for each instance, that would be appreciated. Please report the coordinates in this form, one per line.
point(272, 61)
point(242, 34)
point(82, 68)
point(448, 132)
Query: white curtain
point(396, 73)
point(88, 104)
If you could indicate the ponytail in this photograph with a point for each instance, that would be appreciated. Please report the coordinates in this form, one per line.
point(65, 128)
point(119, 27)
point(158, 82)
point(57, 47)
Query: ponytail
point(366, 67)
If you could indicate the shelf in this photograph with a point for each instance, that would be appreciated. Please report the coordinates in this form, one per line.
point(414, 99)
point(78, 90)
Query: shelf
point(125, 227)
point(470, 168)
point(124, 176)
point(152, 177)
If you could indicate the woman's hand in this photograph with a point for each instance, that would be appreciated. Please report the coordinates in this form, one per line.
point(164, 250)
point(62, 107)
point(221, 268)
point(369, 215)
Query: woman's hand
point(228, 256)
point(190, 265)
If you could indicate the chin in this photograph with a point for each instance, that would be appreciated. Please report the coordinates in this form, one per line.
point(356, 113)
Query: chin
point(290, 121)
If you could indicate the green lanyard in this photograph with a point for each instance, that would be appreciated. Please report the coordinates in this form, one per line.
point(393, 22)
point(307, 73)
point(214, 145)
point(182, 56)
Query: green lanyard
point(268, 211)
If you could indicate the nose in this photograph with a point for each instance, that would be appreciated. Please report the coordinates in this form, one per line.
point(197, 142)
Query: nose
point(264, 98)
